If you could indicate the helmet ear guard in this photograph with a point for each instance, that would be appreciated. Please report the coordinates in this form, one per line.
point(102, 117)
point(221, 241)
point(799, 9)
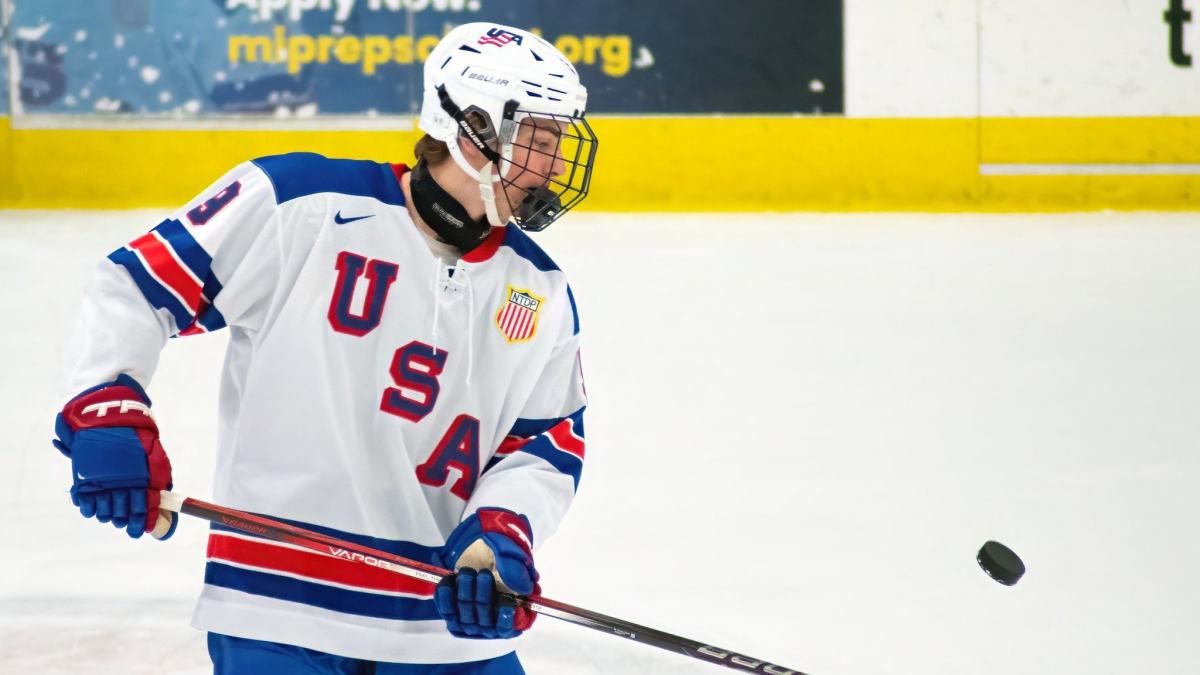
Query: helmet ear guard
point(482, 136)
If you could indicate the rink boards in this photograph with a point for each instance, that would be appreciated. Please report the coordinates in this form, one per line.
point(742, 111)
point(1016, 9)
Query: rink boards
point(696, 163)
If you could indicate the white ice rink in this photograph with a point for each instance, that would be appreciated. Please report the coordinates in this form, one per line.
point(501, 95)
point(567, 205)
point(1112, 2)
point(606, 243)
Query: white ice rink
point(801, 430)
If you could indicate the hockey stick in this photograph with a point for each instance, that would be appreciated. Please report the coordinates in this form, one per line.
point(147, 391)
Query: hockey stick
point(290, 534)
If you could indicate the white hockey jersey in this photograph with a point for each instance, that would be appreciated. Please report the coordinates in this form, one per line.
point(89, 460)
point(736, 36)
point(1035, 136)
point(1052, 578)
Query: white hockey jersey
point(370, 391)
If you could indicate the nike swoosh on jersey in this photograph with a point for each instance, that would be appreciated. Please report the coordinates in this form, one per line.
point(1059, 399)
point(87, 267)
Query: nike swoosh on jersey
point(337, 218)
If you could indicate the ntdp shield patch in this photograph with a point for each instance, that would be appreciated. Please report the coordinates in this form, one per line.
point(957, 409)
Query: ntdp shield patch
point(517, 318)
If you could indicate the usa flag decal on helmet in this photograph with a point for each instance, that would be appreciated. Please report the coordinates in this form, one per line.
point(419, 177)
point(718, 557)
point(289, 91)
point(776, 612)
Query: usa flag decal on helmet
point(499, 37)
point(517, 318)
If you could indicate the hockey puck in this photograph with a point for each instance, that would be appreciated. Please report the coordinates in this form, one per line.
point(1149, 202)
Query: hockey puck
point(1000, 563)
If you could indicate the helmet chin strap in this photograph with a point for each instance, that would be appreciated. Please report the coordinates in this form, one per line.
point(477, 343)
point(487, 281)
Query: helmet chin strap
point(488, 179)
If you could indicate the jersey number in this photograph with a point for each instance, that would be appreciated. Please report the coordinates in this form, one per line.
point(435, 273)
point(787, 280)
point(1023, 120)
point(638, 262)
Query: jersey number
point(203, 213)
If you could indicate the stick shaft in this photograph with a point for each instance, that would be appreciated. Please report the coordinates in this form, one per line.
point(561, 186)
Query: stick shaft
point(290, 534)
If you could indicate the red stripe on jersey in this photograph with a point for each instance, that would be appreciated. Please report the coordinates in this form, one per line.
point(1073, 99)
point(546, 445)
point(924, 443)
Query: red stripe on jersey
point(510, 319)
point(511, 444)
point(525, 327)
point(195, 328)
point(562, 435)
point(168, 270)
point(312, 565)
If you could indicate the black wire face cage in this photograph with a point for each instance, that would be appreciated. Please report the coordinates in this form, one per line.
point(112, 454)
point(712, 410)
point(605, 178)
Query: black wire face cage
point(551, 162)
point(554, 154)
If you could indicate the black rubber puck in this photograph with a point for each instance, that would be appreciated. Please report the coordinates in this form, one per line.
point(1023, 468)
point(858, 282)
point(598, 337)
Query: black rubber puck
point(1000, 563)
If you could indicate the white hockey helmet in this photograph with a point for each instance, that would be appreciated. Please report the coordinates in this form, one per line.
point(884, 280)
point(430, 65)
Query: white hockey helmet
point(482, 81)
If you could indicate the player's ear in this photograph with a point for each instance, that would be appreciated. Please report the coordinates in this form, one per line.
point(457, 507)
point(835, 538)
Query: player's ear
point(472, 154)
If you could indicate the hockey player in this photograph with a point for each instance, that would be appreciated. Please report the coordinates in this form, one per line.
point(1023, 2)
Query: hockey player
point(402, 372)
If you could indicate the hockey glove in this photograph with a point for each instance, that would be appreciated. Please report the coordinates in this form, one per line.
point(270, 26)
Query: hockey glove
point(491, 552)
point(117, 462)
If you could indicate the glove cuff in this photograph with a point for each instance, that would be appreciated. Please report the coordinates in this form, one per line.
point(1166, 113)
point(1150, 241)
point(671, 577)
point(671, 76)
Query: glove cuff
point(512, 525)
point(489, 521)
point(121, 403)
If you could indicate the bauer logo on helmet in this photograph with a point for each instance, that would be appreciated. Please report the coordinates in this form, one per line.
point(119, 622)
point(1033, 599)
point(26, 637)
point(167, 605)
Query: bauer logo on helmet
point(489, 79)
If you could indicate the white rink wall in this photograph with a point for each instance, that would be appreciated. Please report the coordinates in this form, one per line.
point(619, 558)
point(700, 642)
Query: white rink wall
point(1015, 58)
point(798, 438)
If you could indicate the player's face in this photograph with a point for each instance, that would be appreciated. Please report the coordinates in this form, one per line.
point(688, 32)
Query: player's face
point(536, 158)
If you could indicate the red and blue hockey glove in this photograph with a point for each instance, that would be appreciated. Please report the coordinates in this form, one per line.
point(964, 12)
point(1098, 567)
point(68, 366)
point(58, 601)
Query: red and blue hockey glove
point(117, 462)
point(491, 553)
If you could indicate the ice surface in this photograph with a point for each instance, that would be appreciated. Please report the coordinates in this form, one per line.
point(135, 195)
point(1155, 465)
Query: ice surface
point(801, 430)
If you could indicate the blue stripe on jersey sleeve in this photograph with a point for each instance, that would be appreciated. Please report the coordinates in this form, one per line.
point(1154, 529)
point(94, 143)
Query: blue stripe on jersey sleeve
point(574, 310)
point(543, 447)
point(200, 263)
point(319, 595)
point(211, 318)
point(564, 462)
point(524, 246)
point(299, 174)
point(528, 426)
point(193, 256)
point(187, 248)
point(525, 428)
point(154, 292)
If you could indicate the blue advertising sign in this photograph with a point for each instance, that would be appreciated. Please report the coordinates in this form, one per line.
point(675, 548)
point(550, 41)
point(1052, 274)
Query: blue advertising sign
point(4, 92)
point(306, 58)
